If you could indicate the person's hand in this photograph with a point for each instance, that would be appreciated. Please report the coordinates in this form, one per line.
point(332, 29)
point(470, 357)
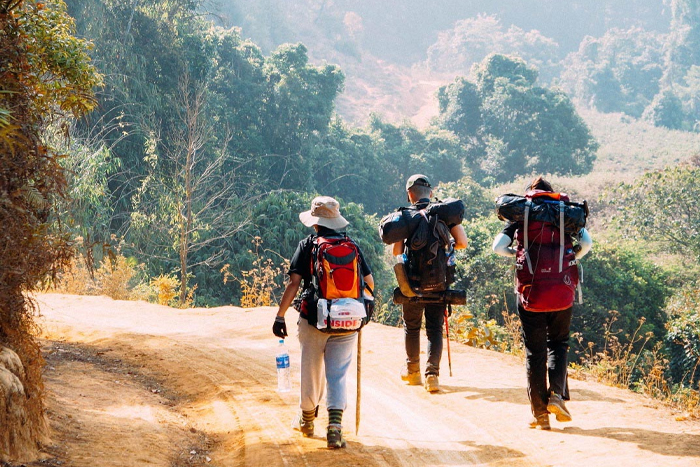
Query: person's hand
point(279, 329)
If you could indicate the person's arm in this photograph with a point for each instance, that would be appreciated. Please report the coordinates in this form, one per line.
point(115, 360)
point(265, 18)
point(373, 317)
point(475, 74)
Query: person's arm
point(501, 245)
point(279, 327)
point(369, 280)
point(585, 242)
point(290, 291)
point(460, 237)
point(397, 248)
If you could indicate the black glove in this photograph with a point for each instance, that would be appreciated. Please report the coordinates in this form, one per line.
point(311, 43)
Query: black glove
point(279, 329)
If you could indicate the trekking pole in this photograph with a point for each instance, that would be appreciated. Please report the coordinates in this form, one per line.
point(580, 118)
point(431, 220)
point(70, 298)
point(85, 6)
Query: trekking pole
point(359, 379)
point(447, 331)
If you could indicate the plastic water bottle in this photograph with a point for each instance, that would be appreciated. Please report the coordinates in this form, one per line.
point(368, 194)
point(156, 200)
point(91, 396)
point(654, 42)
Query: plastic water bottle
point(283, 371)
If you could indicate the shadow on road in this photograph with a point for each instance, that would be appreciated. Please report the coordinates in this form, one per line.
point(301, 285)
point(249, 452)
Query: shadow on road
point(519, 395)
point(588, 395)
point(360, 455)
point(667, 444)
point(511, 395)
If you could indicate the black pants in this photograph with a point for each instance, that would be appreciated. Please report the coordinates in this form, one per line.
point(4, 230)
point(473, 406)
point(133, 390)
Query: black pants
point(546, 338)
point(434, 320)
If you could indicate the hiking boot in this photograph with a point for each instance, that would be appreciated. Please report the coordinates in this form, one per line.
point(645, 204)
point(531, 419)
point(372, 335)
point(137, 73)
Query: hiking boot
point(306, 427)
point(334, 436)
point(556, 406)
point(540, 422)
point(413, 379)
point(431, 383)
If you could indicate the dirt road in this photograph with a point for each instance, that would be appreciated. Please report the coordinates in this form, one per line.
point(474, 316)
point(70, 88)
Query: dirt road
point(132, 384)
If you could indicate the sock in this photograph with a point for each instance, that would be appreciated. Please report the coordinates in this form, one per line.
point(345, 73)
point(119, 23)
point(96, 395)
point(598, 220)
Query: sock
point(335, 416)
point(308, 415)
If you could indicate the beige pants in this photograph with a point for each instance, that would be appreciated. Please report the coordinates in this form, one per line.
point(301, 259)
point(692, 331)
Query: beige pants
point(325, 361)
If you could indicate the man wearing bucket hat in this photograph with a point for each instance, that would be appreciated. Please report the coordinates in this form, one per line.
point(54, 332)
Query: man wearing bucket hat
point(419, 192)
point(320, 352)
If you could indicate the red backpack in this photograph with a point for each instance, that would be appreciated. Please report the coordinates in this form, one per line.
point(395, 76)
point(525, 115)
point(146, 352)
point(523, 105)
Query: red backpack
point(546, 266)
point(336, 268)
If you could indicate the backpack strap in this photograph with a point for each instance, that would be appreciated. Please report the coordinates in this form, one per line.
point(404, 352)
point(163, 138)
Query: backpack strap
point(561, 235)
point(526, 245)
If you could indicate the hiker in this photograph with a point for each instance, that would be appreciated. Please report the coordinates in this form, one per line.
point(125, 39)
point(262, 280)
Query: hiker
point(323, 354)
point(419, 192)
point(547, 276)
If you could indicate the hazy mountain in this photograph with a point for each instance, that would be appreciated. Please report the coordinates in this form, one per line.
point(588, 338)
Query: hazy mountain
point(383, 46)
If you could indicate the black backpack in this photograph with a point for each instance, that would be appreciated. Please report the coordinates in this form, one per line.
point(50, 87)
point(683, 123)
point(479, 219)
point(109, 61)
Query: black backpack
point(428, 251)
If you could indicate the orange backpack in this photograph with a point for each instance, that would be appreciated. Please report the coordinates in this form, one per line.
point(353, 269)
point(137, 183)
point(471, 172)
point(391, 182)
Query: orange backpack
point(336, 268)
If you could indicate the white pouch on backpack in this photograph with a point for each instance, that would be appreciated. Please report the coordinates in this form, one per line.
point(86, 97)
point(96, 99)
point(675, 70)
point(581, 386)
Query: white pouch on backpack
point(343, 314)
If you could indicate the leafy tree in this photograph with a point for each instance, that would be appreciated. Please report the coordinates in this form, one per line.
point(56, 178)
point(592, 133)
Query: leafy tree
point(666, 110)
point(472, 39)
point(298, 107)
point(45, 74)
point(663, 207)
point(370, 165)
point(523, 128)
point(477, 201)
point(683, 47)
point(460, 107)
point(618, 72)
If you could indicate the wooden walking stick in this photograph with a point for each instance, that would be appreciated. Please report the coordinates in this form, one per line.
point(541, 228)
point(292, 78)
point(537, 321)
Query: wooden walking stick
point(359, 379)
point(447, 331)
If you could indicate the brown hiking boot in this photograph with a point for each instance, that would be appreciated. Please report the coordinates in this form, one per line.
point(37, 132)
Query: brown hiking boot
point(413, 379)
point(556, 406)
point(431, 383)
point(540, 422)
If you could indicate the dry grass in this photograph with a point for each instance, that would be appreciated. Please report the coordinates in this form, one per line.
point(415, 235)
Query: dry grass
point(116, 277)
point(259, 285)
point(632, 366)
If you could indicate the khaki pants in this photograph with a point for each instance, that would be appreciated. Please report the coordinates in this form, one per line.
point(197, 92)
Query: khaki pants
point(324, 355)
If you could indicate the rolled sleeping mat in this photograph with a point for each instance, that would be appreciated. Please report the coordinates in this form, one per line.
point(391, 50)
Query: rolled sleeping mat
point(402, 279)
point(450, 211)
point(452, 297)
point(399, 225)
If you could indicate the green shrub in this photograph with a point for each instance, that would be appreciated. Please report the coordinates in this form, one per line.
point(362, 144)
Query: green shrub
point(683, 337)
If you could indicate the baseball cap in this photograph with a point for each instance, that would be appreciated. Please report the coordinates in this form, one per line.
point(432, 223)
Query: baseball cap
point(417, 180)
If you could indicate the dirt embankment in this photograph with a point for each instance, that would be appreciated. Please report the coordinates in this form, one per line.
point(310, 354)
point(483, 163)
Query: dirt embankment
point(135, 384)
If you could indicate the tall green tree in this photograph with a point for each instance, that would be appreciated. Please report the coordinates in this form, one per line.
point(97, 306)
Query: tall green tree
point(618, 72)
point(45, 75)
point(510, 126)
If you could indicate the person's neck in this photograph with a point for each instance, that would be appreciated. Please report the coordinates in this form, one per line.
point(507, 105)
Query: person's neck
point(422, 200)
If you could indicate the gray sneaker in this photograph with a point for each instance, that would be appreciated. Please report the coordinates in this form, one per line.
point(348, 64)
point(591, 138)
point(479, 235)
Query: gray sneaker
point(432, 384)
point(556, 406)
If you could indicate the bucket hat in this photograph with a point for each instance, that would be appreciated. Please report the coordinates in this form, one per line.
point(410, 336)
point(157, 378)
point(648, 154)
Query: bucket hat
point(324, 211)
